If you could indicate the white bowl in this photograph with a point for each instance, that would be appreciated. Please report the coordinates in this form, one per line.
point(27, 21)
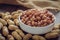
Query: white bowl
point(36, 30)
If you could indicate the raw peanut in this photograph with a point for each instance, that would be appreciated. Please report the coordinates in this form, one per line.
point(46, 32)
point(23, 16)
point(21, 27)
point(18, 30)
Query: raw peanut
point(27, 37)
point(30, 16)
point(44, 17)
point(53, 18)
point(7, 17)
point(19, 11)
point(15, 16)
point(44, 24)
point(10, 37)
point(3, 21)
point(56, 31)
point(51, 35)
point(37, 37)
point(49, 13)
point(16, 35)
point(20, 32)
point(5, 31)
point(10, 22)
point(39, 23)
point(57, 26)
point(33, 23)
point(28, 22)
point(20, 14)
point(36, 14)
point(23, 21)
point(12, 27)
point(27, 13)
point(1, 25)
point(8, 13)
point(45, 20)
point(36, 23)
point(25, 16)
point(33, 18)
point(33, 10)
point(16, 22)
point(41, 15)
point(2, 38)
point(38, 18)
point(13, 13)
point(16, 12)
point(49, 21)
point(1, 13)
point(5, 14)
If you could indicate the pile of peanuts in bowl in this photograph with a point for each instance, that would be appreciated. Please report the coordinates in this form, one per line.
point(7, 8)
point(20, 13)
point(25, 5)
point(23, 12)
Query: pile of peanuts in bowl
point(37, 18)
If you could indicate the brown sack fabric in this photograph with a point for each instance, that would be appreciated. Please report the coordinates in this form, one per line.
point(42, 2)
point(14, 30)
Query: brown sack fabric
point(45, 4)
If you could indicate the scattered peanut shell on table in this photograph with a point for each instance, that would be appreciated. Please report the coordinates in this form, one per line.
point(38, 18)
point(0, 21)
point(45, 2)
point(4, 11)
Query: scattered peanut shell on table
point(51, 35)
point(10, 37)
point(16, 35)
point(16, 22)
point(10, 22)
point(12, 27)
point(5, 31)
point(3, 21)
point(1, 25)
point(37, 37)
point(27, 37)
point(20, 32)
